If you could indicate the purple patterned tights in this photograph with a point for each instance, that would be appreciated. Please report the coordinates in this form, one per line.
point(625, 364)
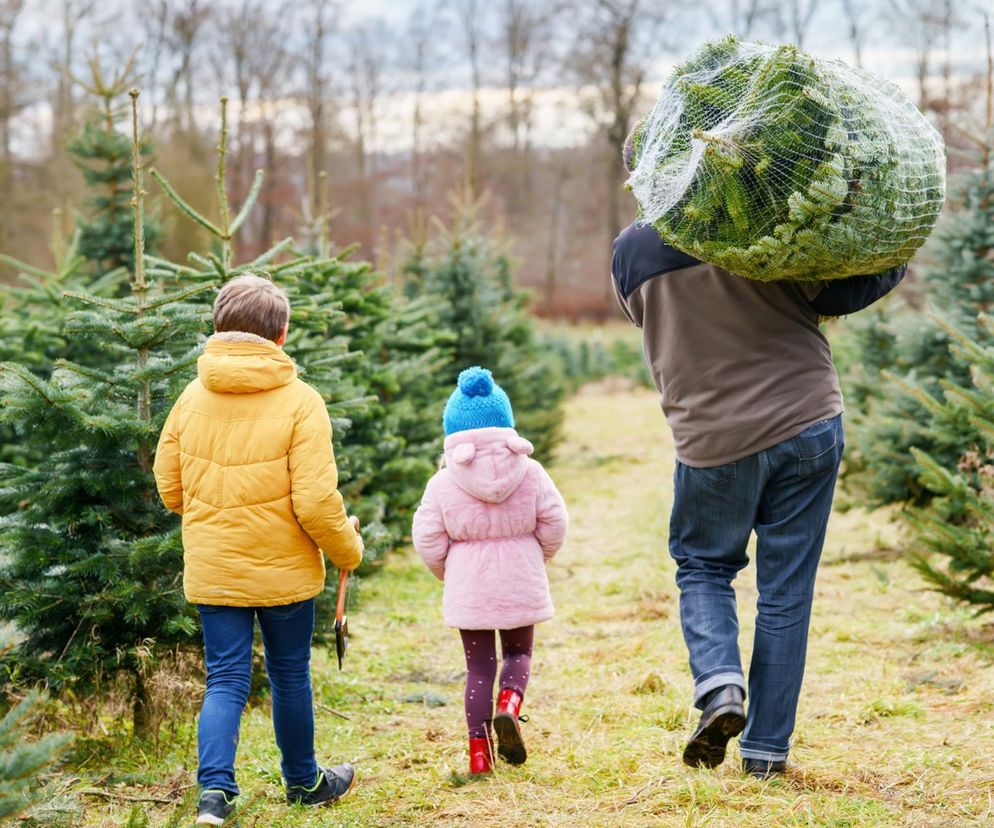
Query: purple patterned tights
point(481, 667)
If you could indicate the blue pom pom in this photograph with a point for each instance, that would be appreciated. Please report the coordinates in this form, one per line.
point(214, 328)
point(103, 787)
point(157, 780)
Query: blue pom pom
point(476, 382)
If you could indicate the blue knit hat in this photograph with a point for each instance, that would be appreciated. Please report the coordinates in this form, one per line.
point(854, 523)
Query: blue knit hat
point(477, 402)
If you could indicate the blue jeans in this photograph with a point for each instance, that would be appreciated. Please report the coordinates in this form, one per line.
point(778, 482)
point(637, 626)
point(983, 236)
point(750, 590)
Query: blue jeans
point(286, 635)
point(784, 494)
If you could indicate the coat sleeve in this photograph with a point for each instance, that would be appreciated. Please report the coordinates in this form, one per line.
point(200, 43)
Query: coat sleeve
point(844, 296)
point(431, 540)
point(317, 502)
point(168, 479)
point(552, 519)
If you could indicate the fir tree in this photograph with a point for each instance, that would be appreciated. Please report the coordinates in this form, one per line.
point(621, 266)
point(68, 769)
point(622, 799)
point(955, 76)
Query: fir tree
point(467, 276)
point(103, 154)
point(21, 760)
point(91, 563)
point(957, 525)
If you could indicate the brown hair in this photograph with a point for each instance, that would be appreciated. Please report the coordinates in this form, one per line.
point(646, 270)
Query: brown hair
point(253, 304)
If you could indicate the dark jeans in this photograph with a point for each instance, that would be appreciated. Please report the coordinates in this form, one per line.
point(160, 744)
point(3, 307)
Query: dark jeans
point(286, 635)
point(784, 494)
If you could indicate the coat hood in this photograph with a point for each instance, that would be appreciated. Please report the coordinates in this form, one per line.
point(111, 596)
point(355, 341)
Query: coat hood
point(243, 363)
point(488, 463)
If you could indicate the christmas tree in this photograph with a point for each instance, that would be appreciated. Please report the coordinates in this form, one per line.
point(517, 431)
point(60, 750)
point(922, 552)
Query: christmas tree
point(958, 522)
point(91, 563)
point(467, 277)
point(103, 154)
point(20, 760)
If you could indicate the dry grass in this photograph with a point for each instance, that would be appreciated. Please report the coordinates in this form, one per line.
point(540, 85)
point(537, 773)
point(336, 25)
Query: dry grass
point(896, 725)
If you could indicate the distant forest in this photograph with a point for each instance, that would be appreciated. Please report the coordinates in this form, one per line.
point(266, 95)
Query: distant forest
point(379, 121)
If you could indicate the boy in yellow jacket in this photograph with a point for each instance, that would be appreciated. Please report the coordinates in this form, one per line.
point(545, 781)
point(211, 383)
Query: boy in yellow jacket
point(246, 458)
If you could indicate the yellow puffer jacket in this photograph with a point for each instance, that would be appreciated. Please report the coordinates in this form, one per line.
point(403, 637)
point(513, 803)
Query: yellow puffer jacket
point(245, 457)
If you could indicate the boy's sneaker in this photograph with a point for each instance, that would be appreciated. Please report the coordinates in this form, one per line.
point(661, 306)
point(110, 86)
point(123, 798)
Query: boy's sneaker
point(332, 784)
point(214, 808)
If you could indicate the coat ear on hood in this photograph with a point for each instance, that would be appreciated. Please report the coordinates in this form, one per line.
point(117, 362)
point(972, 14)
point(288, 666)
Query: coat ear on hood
point(519, 445)
point(463, 454)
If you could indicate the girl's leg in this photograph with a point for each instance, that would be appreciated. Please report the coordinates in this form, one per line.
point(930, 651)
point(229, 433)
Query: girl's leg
point(228, 656)
point(516, 649)
point(286, 634)
point(481, 670)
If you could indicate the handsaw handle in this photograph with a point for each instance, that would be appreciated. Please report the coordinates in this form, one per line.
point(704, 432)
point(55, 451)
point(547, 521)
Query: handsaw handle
point(343, 578)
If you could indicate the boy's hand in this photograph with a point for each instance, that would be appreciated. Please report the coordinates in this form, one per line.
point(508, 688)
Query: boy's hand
point(355, 523)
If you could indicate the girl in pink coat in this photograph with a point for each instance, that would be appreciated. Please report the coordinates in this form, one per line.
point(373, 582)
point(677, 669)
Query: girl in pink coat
point(489, 521)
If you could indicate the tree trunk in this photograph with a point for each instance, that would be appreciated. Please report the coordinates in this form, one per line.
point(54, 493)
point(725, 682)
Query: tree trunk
point(141, 710)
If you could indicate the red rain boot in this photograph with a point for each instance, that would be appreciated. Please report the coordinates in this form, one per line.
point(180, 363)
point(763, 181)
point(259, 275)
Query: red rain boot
point(510, 744)
point(481, 753)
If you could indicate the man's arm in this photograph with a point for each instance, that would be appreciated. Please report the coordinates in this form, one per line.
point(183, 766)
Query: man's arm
point(844, 296)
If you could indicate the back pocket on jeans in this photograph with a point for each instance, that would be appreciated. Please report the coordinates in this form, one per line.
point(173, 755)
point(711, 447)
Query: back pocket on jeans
point(816, 448)
point(714, 475)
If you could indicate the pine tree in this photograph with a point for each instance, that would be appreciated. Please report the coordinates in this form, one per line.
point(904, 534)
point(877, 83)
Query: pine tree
point(21, 760)
point(467, 276)
point(103, 154)
point(957, 524)
point(91, 563)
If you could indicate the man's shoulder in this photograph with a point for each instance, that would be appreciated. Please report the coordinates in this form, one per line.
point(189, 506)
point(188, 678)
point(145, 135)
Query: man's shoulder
point(641, 253)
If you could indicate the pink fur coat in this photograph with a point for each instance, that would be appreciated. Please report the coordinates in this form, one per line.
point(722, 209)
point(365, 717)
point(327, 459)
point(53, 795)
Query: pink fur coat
point(487, 525)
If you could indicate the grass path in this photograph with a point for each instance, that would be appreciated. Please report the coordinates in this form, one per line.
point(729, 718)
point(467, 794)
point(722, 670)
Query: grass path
point(896, 725)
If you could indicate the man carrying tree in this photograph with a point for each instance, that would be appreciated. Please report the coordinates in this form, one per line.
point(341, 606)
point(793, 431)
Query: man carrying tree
point(752, 397)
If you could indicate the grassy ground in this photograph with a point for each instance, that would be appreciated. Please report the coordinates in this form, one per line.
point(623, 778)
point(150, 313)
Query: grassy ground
point(896, 724)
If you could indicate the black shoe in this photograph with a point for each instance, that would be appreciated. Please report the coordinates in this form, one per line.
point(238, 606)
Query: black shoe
point(723, 718)
point(215, 807)
point(763, 768)
point(332, 784)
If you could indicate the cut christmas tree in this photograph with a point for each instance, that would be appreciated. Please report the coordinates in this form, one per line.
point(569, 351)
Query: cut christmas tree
point(774, 165)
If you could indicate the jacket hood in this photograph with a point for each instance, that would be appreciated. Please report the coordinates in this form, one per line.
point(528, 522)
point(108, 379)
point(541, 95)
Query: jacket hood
point(243, 363)
point(488, 463)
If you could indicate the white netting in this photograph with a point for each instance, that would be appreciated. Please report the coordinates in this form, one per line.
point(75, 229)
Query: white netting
point(773, 165)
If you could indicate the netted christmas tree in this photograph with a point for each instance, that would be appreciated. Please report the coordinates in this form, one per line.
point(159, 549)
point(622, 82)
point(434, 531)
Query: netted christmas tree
point(467, 276)
point(885, 422)
point(90, 564)
point(775, 165)
point(953, 536)
point(23, 759)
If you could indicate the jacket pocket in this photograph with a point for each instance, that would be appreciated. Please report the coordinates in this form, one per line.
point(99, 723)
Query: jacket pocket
point(818, 448)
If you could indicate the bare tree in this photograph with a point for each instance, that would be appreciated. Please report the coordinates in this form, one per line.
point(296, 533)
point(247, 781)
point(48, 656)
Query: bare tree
point(925, 25)
point(10, 104)
point(740, 17)
point(73, 13)
point(367, 61)
point(615, 45)
point(857, 14)
point(319, 27)
point(472, 22)
point(252, 39)
point(420, 58)
point(184, 32)
point(791, 18)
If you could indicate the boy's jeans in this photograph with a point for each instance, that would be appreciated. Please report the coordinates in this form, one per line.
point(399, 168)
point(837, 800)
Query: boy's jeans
point(784, 493)
point(286, 635)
